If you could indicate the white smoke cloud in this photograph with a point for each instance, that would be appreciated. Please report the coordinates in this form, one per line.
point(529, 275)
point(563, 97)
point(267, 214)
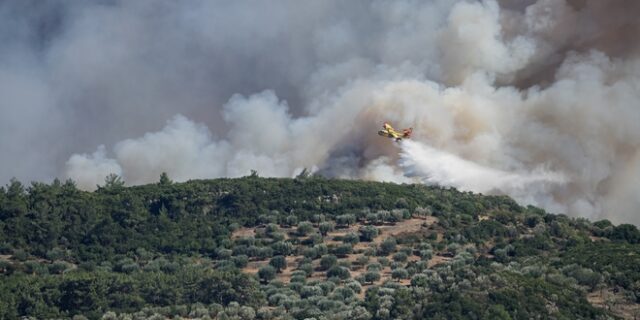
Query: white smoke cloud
point(90, 170)
point(536, 99)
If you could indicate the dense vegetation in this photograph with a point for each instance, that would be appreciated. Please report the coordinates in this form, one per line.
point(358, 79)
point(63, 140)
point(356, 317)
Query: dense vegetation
point(304, 248)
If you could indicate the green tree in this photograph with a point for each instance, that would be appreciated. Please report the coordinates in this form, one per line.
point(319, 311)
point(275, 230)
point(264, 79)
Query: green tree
point(371, 276)
point(387, 246)
point(164, 179)
point(304, 228)
point(278, 262)
point(113, 182)
point(282, 248)
point(626, 232)
point(350, 238)
point(291, 221)
point(341, 273)
point(328, 261)
point(343, 250)
point(346, 220)
point(399, 273)
point(400, 257)
point(325, 227)
point(267, 273)
point(368, 233)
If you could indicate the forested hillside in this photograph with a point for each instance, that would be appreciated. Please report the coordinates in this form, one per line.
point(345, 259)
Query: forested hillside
point(304, 248)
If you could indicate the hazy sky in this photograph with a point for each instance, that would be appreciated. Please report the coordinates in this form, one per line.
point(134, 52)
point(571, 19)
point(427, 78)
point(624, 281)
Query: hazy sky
point(535, 99)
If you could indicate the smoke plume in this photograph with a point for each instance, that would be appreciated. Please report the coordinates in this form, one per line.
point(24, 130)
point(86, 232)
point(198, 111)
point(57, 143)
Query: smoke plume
point(537, 99)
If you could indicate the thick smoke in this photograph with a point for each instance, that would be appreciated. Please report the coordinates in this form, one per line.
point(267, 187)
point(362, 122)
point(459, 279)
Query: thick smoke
point(535, 99)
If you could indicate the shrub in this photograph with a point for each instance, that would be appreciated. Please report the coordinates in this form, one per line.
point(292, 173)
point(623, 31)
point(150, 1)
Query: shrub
point(271, 228)
point(362, 260)
point(626, 232)
point(317, 218)
point(224, 253)
point(338, 272)
point(264, 253)
point(307, 268)
point(278, 262)
point(6, 248)
point(394, 216)
point(58, 267)
point(354, 285)
point(387, 246)
point(291, 220)
point(420, 280)
point(345, 263)
point(313, 239)
point(400, 257)
point(325, 228)
point(399, 273)
point(346, 219)
point(343, 250)
point(373, 218)
point(267, 273)
point(327, 287)
point(322, 249)
point(426, 254)
point(368, 233)
point(282, 248)
point(311, 253)
point(20, 255)
point(328, 261)
point(374, 266)
point(240, 261)
point(343, 293)
point(371, 276)
point(310, 291)
point(304, 228)
point(351, 238)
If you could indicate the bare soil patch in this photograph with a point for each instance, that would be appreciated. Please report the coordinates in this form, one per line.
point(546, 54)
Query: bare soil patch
point(435, 260)
point(614, 302)
point(243, 233)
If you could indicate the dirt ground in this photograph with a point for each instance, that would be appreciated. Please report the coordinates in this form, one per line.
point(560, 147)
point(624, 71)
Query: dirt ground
point(243, 233)
point(408, 226)
point(614, 302)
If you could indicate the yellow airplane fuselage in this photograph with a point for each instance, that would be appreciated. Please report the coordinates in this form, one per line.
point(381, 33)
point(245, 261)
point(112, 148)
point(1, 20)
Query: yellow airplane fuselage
point(388, 134)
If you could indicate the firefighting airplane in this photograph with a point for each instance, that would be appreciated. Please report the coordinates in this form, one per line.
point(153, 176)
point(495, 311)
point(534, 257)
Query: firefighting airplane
point(389, 132)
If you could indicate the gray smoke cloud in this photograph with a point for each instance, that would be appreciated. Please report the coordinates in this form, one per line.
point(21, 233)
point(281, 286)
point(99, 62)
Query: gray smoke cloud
point(536, 99)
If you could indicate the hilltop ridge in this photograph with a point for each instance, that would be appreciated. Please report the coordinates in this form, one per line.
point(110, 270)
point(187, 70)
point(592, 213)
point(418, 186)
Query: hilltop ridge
point(309, 247)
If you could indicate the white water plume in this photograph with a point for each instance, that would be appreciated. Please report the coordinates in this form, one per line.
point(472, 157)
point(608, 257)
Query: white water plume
point(436, 167)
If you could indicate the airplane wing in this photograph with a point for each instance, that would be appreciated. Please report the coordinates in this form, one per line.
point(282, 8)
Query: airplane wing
point(390, 132)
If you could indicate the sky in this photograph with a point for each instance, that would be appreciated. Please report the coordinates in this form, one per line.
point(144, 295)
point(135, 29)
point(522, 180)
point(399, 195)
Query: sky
point(534, 99)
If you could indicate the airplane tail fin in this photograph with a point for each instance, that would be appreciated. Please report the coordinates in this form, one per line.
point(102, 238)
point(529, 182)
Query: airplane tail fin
point(407, 132)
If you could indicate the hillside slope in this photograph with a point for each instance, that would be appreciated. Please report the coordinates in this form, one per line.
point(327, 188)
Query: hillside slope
point(305, 248)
